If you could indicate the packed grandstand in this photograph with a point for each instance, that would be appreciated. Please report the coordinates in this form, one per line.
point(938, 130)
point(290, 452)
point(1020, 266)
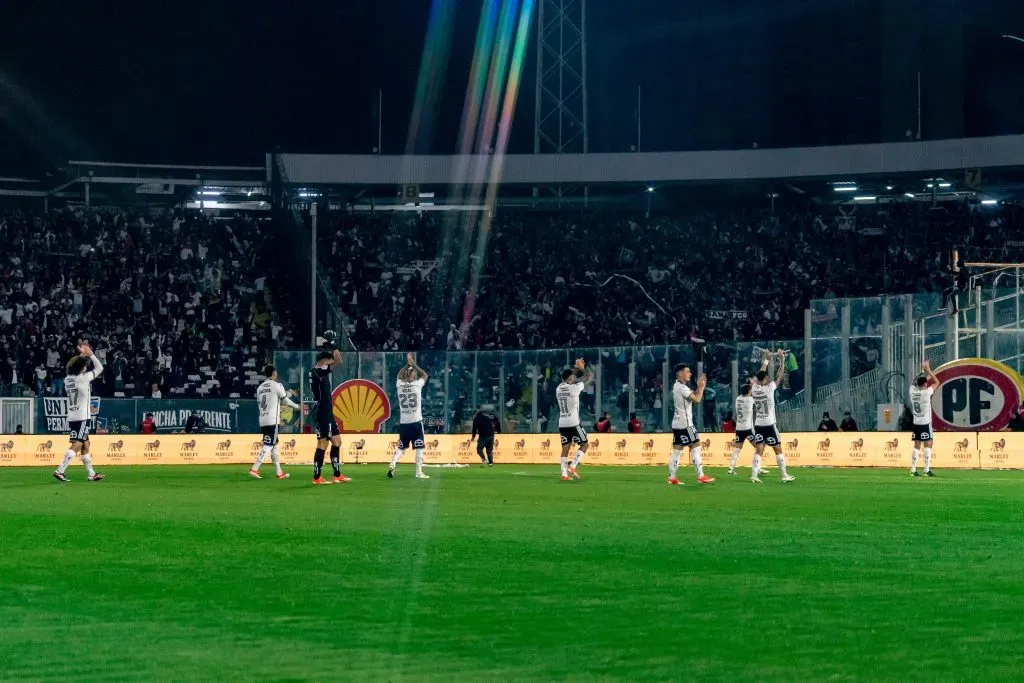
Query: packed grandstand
point(185, 303)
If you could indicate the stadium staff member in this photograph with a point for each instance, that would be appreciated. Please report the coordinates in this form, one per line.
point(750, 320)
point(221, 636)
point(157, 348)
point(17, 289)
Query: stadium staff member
point(827, 424)
point(148, 425)
point(848, 424)
point(634, 424)
point(604, 425)
point(483, 426)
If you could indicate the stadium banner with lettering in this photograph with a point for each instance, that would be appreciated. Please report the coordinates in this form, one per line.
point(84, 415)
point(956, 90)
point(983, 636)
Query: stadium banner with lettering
point(123, 416)
point(1002, 450)
point(961, 450)
point(975, 395)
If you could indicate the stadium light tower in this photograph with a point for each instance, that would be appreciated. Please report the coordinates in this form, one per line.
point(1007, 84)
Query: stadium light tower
point(560, 121)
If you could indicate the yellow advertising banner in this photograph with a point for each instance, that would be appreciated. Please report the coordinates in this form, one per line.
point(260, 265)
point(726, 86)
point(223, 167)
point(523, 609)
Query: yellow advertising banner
point(1001, 450)
point(996, 450)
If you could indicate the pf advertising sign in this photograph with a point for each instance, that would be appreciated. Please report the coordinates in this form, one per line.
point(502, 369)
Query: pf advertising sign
point(976, 395)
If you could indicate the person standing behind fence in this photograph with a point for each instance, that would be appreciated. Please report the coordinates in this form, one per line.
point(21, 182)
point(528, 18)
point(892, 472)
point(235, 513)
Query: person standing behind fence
point(483, 427)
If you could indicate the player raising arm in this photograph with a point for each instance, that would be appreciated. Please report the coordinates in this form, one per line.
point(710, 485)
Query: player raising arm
point(744, 429)
point(921, 406)
point(82, 369)
point(571, 432)
point(765, 429)
point(269, 397)
point(325, 426)
point(411, 380)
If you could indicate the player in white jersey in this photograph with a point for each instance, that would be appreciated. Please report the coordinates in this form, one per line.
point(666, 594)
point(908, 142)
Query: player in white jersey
point(571, 432)
point(684, 433)
point(765, 429)
point(411, 380)
point(744, 430)
point(78, 387)
point(269, 397)
point(921, 406)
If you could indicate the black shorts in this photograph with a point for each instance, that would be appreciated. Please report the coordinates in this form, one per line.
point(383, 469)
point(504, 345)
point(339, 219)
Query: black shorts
point(922, 432)
point(767, 435)
point(744, 435)
point(326, 427)
point(681, 438)
point(569, 435)
point(269, 435)
point(410, 435)
point(79, 431)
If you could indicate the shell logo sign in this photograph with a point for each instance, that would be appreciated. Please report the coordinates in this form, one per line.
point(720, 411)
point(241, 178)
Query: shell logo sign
point(360, 406)
point(976, 394)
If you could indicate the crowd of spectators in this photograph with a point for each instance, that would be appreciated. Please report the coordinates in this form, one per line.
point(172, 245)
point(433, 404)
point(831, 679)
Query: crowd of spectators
point(174, 303)
point(548, 280)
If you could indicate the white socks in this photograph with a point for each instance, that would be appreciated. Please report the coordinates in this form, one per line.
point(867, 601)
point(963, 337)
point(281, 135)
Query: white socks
point(69, 455)
point(927, 459)
point(260, 458)
point(734, 458)
point(275, 454)
point(756, 471)
point(565, 465)
point(913, 460)
point(780, 460)
point(576, 460)
point(419, 461)
point(673, 464)
point(87, 461)
point(396, 457)
point(698, 463)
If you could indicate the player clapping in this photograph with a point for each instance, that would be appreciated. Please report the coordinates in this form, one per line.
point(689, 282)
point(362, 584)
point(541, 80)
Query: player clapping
point(82, 369)
point(411, 380)
point(269, 397)
point(684, 433)
point(765, 429)
point(571, 432)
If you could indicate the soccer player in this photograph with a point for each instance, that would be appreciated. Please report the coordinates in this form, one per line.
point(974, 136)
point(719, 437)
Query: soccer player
point(921, 406)
point(684, 434)
point(570, 431)
point(269, 397)
point(326, 428)
point(78, 387)
point(411, 380)
point(765, 429)
point(745, 431)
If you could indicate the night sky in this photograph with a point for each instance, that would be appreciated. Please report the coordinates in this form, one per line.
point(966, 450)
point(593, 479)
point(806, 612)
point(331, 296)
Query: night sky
point(216, 82)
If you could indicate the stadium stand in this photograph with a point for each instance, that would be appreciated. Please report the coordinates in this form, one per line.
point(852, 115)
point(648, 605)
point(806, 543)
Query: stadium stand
point(542, 281)
point(176, 303)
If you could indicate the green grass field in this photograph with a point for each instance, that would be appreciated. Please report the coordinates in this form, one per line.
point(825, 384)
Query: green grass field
point(510, 574)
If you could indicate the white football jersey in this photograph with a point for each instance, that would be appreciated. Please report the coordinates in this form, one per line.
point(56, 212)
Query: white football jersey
point(79, 391)
point(683, 417)
point(744, 413)
point(410, 401)
point(568, 397)
point(764, 404)
point(921, 404)
point(268, 399)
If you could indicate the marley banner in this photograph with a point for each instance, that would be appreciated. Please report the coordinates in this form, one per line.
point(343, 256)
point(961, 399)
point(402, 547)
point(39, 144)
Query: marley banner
point(961, 450)
point(1001, 450)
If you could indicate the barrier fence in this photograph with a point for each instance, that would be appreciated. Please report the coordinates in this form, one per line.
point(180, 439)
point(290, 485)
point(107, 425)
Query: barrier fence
point(961, 450)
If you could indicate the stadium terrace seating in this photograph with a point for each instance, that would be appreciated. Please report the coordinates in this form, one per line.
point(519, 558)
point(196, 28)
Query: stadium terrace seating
point(735, 273)
point(172, 300)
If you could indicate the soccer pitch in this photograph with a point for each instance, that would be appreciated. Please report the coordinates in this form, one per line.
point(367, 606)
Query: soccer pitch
point(477, 574)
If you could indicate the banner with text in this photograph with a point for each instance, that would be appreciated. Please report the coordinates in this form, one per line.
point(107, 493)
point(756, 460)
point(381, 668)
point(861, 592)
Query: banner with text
point(960, 450)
